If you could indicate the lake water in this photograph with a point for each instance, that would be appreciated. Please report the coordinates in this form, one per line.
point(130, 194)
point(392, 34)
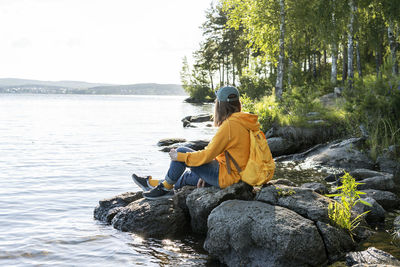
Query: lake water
point(61, 154)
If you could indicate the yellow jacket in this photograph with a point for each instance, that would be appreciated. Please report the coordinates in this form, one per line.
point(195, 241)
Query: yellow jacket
point(232, 135)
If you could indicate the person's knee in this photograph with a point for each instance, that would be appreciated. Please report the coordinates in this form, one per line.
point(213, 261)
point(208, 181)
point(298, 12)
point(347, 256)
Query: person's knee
point(183, 149)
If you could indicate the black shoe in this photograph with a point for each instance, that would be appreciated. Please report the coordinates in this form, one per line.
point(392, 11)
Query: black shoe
point(142, 182)
point(160, 192)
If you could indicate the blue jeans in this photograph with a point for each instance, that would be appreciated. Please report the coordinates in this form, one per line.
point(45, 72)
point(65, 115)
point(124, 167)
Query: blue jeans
point(179, 175)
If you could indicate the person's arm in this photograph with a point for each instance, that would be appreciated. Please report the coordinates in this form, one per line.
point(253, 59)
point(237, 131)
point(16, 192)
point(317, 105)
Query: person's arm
point(214, 148)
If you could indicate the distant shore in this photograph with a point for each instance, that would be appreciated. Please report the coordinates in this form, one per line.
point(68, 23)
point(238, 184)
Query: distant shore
point(22, 86)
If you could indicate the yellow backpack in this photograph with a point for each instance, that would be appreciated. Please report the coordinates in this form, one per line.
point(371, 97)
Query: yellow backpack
point(260, 167)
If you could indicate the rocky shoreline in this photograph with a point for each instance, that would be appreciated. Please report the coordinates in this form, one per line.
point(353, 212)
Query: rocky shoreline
point(279, 224)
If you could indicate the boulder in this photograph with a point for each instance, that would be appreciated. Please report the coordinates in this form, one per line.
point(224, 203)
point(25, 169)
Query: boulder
point(157, 219)
point(198, 118)
point(170, 141)
point(280, 146)
point(203, 200)
point(108, 208)
point(371, 256)
point(195, 145)
point(304, 201)
point(282, 181)
point(337, 241)
point(316, 187)
point(343, 154)
point(180, 199)
point(376, 213)
point(188, 120)
point(360, 174)
point(386, 199)
point(384, 183)
point(396, 223)
point(253, 233)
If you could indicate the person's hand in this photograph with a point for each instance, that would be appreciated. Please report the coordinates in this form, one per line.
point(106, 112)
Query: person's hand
point(173, 154)
point(201, 183)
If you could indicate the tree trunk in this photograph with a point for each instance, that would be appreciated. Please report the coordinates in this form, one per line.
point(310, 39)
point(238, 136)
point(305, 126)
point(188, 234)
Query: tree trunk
point(393, 47)
point(290, 62)
point(314, 65)
point(211, 79)
point(344, 71)
point(359, 70)
point(281, 59)
point(334, 63)
point(350, 57)
point(223, 71)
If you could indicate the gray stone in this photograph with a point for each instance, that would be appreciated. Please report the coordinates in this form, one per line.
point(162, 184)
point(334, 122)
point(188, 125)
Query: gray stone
point(304, 201)
point(170, 141)
point(157, 218)
point(195, 145)
point(371, 256)
point(396, 223)
point(376, 213)
point(386, 199)
point(108, 208)
point(180, 198)
point(342, 155)
point(384, 183)
point(203, 200)
point(337, 241)
point(316, 187)
point(252, 233)
point(282, 181)
point(198, 118)
point(280, 146)
point(360, 174)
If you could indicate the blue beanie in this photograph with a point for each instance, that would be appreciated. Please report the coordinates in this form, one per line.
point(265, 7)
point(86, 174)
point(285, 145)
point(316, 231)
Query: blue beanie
point(223, 93)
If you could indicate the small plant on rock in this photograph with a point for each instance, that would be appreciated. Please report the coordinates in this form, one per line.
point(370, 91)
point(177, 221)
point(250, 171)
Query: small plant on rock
point(340, 211)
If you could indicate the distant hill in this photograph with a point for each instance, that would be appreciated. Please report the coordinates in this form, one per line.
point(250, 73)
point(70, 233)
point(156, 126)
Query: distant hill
point(6, 82)
point(11, 85)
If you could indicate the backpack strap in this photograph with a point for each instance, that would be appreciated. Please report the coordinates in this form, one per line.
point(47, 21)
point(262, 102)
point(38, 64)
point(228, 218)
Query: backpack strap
point(228, 158)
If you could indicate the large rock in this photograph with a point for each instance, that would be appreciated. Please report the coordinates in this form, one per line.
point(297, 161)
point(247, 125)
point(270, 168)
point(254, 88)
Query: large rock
point(280, 146)
point(339, 154)
point(344, 154)
point(371, 256)
point(203, 200)
point(376, 214)
point(304, 201)
point(384, 183)
point(361, 174)
point(188, 120)
point(337, 241)
point(252, 233)
point(170, 141)
point(195, 145)
point(386, 199)
point(316, 187)
point(157, 218)
point(108, 208)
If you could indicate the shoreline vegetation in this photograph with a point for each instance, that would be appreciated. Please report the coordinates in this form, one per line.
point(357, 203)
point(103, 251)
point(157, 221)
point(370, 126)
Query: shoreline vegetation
point(22, 86)
point(342, 71)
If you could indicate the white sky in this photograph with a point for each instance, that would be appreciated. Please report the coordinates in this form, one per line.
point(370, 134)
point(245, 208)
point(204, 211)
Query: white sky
point(108, 41)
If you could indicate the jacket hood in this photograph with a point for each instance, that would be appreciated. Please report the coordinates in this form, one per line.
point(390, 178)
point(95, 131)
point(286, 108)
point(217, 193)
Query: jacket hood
point(249, 121)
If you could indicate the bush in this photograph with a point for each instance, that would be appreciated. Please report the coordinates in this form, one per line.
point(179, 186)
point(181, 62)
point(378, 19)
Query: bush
point(375, 102)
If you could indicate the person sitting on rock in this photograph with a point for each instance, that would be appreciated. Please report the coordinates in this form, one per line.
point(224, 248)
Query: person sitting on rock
point(208, 166)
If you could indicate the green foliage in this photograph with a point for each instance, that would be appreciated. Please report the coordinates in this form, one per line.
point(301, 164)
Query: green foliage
point(285, 192)
point(254, 86)
point(375, 102)
point(340, 212)
point(293, 110)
